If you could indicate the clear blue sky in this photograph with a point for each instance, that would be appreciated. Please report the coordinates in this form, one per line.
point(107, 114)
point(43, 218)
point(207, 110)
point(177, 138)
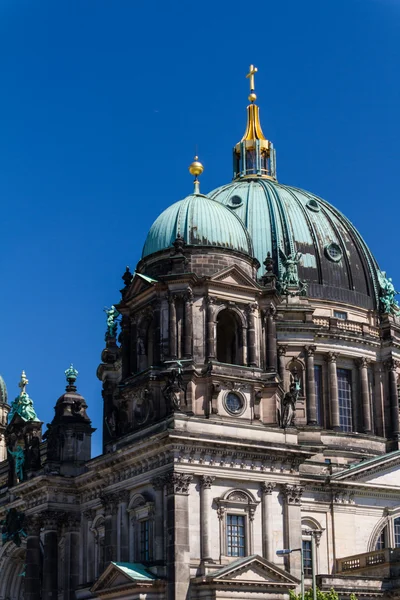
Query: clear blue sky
point(102, 104)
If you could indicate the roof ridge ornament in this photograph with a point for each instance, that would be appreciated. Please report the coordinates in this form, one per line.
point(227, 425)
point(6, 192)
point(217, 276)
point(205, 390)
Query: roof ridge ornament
point(250, 75)
point(196, 169)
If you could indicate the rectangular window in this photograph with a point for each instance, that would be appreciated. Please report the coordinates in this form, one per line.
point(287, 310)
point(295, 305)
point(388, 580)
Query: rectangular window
point(318, 392)
point(307, 558)
point(235, 535)
point(396, 526)
point(338, 314)
point(345, 407)
point(144, 541)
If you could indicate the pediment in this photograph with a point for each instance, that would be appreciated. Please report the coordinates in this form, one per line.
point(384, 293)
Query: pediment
point(119, 575)
point(140, 283)
point(382, 470)
point(254, 570)
point(234, 276)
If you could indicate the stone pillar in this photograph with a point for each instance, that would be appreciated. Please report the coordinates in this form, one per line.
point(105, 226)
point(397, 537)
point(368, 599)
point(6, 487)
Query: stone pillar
point(51, 523)
point(311, 398)
point(292, 526)
point(157, 349)
point(188, 336)
point(364, 392)
point(333, 391)
point(267, 533)
point(173, 340)
point(110, 504)
point(178, 548)
point(33, 559)
point(243, 344)
point(71, 555)
point(282, 361)
point(205, 509)
point(89, 516)
point(271, 339)
point(211, 329)
point(158, 486)
point(126, 346)
point(251, 335)
point(391, 366)
point(133, 346)
point(123, 526)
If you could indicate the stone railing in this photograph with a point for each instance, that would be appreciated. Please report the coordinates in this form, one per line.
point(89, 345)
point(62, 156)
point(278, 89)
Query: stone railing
point(369, 561)
point(354, 327)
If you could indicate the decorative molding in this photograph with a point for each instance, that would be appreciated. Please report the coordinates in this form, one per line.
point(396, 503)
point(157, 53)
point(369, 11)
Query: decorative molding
point(267, 487)
point(363, 362)
point(282, 349)
point(206, 481)
point(178, 483)
point(293, 493)
point(391, 364)
point(331, 357)
point(310, 350)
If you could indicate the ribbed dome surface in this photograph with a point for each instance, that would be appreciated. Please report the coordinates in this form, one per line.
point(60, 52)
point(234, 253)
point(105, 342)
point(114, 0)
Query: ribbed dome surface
point(201, 222)
point(335, 262)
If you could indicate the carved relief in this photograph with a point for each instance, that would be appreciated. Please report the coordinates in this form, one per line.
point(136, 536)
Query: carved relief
point(178, 483)
point(206, 481)
point(293, 493)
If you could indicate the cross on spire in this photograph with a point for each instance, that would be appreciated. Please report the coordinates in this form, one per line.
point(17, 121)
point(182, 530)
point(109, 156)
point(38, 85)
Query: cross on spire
point(250, 75)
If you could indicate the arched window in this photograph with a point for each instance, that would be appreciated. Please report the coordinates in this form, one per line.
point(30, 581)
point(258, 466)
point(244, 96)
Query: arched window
point(145, 344)
point(98, 530)
point(236, 511)
point(142, 529)
point(388, 535)
point(229, 345)
point(311, 536)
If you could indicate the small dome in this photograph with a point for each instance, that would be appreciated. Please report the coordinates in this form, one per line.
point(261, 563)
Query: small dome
point(3, 391)
point(336, 262)
point(200, 221)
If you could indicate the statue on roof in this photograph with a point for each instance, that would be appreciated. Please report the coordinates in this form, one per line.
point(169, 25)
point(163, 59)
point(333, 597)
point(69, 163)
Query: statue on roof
point(112, 321)
point(289, 282)
point(387, 302)
point(11, 527)
point(19, 460)
point(23, 405)
point(288, 404)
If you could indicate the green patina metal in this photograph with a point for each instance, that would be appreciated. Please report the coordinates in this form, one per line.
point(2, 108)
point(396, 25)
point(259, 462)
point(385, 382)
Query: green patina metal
point(3, 391)
point(112, 322)
point(19, 461)
point(200, 221)
point(71, 374)
point(23, 405)
point(135, 571)
point(387, 302)
point(12, 527)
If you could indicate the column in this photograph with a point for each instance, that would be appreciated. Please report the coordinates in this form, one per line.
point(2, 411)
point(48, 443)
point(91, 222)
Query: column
point(158, 486)
point(251, 335)
point(133, 346)
point(266, 507)
point(71, 554)
point(333, 391)
point(32, 571)
point(282, 361)
point(364, 392)
point(292, 526)
point(89, 516)
point(271, 339)
point(157, 349)
point(50, 556)
point(391, 365)
point(178, 547)
point(188, 331)
point(243, 344)
point(173, 341)
point(211, 327)
point(311, 398)
point(110, 504)
point(205, 509)
point(123, 526)
point(126, 346)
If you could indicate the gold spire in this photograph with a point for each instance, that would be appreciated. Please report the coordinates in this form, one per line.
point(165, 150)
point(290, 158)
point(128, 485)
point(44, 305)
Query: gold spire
point(250, 75)
point(196, 169)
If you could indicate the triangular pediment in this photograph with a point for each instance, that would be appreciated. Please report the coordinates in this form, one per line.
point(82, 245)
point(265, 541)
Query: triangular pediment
point(382, 470)
point(253, 570)
point(119, 575)
point(140, 283)
point(234, 276)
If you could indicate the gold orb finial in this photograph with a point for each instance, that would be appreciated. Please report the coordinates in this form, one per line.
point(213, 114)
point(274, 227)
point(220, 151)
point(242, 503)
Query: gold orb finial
point(196, 168)
point(250, 75)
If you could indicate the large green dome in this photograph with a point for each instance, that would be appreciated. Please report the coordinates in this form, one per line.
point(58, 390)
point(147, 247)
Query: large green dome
point(336, 262)
point(200, 221)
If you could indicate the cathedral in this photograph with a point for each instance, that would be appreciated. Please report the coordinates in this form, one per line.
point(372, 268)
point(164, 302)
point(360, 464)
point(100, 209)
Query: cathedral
point(250, 384)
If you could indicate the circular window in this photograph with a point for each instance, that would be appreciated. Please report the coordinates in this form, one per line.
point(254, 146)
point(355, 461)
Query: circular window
point(234, 403)
point(235, 202)
point(313, 205)
point(333, 252)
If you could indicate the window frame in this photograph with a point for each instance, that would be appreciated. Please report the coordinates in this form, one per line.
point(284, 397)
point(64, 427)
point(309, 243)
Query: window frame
point(140, 512)
point(236, 502)
point(346, 419)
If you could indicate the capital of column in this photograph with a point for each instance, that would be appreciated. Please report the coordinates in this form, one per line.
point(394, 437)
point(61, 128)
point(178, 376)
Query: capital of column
point(123, 496)
point(52, 520)
point(32, 525)
point(391, 364)
point(188, 296)
point(310, 350)
point(206, 481)
point(282, 348)
point(251, 308)
point(271, 311)
point(363, 362)
point(267, 487)
point(110, 503)
point(331, 357)
point(293, 493)
point(178, 483)
point(158, 482)
point(172, 298)
point(89, 514)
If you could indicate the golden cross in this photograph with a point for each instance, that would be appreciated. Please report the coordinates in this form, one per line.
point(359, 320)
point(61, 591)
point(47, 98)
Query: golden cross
point(250, 75)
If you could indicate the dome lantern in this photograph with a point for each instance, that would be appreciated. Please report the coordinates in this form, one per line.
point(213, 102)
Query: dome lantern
point(254, 155)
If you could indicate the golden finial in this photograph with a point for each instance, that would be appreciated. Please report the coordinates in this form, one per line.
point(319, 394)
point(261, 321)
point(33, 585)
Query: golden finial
point(196, 169)
point(250, 75)
point(23, 382)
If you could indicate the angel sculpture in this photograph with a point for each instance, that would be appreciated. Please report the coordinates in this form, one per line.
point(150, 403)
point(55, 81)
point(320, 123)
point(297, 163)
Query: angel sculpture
point(112, 323)
point(387, 294)
point(288, 406)
point(290, 262)
point(19, 458)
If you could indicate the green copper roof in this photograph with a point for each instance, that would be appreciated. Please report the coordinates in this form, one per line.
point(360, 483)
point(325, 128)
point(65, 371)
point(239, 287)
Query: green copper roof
point(136, 571)
point(336, 263)
point(201, 222)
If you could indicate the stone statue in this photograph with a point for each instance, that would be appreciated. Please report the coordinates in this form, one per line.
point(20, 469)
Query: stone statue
point(19, 459)
point(289, 283)
point(288, 404)
point(11, 527)
point(33, 462)
point(174, 389)
point(112, 322)
point(386, 294)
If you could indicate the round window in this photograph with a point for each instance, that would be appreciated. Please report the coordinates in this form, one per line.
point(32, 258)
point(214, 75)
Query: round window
point(234, 403)
point(333, 252)
point(235, 202)
point(313, 205)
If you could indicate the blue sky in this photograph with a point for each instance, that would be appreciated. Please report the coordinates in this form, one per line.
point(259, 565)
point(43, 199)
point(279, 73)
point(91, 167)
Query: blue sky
point(102, 105)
